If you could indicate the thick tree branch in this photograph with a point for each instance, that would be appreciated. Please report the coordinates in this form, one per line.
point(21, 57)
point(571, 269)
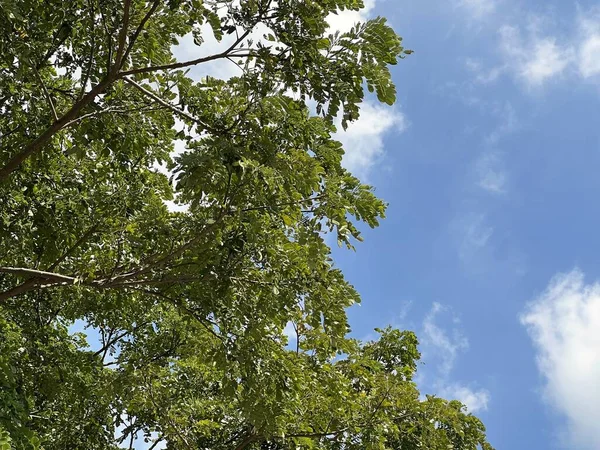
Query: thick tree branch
point(59, 124)
point(20, 289)
point(38, 143)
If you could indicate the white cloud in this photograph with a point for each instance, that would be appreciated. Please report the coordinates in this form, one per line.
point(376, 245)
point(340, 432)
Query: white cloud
point(589, 47)
point(535, 59)
point(589, 56)
point(363, 140)
point(475, 400)
point(478, 8)
point(564, 324)
point(344, 20)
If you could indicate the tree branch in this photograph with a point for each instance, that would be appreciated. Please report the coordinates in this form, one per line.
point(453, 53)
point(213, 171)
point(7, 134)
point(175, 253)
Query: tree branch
point(164, 103)
point(109, 110)
point(80, 241)
point(38, 143)
point(179, 304)
point(298, 202)
point(148, 264)
point(38, 274)
point(20, 289)
point(92, 51)
point(138, 30)
point(247, 441)
point(194, 62)
point(122, 37)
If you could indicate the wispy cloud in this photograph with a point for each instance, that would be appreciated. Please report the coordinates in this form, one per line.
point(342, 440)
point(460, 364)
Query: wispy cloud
point(440, 343)
point(441, 346)
point(589, 46)
point(482, 74)
point(535, 53)
point(472, 235)
point(535, 58)
point(478, 8)
point(507, 123)
point(489, 167)
point(490, 173)
point(564, 325)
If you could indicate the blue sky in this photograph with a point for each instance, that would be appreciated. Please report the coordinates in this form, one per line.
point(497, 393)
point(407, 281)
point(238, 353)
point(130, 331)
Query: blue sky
point(490, 164)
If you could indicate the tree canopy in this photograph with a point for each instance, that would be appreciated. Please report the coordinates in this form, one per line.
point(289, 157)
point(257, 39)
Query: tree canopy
point(192, 306)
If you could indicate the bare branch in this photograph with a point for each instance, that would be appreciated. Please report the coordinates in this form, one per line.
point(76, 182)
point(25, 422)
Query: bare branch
point(37, 274)
point(158, 441)
point(109, 110)
point(9, 132)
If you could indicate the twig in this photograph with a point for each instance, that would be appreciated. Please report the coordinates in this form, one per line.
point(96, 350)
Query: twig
point(46, 93)
point(80, 241)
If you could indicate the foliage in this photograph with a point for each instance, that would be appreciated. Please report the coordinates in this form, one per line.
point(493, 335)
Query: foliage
point(191, 306)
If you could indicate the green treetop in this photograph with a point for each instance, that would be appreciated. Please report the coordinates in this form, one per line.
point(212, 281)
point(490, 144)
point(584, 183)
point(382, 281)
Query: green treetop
point(190, 306)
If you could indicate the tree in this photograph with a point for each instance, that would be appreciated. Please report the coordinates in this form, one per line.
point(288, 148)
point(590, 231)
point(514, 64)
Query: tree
point(190, 307)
